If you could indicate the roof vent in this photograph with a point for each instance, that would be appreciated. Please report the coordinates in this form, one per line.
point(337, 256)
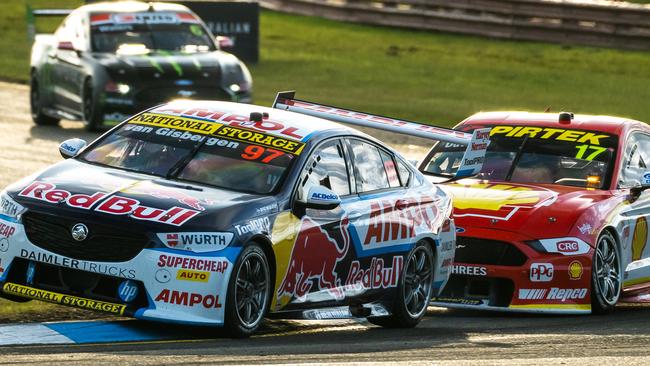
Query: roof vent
point(258, 116)
point(565, 117)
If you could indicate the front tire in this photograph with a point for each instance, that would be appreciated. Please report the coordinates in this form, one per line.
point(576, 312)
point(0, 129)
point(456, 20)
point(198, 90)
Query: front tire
point(92, 116)
point(36, 105)
point(606, 275)
point(248, 293)
point(414, 290)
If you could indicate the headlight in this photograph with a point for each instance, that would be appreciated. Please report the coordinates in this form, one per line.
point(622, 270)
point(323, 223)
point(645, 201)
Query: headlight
point(117, 88)
point(196, 242)
point(9, 207)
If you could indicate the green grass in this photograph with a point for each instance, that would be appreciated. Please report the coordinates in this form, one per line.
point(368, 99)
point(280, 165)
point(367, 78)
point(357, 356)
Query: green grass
point(423, 76)
point(441, 77)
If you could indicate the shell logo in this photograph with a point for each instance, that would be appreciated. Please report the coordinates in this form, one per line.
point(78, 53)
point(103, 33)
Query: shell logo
point(575, 270)
point(497, 201)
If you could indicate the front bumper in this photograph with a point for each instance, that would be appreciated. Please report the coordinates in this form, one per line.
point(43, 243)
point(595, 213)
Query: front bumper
point(157, 284)
point(118, 107)
point(509, 275)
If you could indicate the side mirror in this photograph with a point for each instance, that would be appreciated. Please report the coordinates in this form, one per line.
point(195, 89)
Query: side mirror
point(322, 198)
point(225, 43)
point(65, 46)
point(71, 148)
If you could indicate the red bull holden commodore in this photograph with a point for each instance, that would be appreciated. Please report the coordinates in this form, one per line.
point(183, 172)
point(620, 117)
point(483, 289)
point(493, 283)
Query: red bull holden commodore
point(217, 213)
point(107, 61)
point(555, 221)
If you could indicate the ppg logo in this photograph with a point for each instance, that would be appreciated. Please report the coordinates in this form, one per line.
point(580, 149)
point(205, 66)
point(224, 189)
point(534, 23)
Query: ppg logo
point(127, 291)
point(541, 272)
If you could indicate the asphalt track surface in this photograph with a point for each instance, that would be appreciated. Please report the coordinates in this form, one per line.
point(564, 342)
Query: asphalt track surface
point(443, 337)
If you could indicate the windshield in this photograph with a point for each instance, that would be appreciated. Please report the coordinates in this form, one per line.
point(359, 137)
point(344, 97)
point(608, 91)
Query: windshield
point(535, 155)
point(192, 157)
point(140, 33)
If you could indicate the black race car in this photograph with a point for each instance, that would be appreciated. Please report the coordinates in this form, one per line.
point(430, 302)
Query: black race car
point(107, 61)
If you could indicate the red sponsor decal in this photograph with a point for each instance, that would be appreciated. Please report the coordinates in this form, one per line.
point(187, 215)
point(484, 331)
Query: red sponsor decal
point(172, 240)
point(100, 18)
point(568, 246)
point(377, 276)
point(6, 230)
point(313, 261)
point(112, 205)
point(188, 299)
point(192, 263)
point(395, 220)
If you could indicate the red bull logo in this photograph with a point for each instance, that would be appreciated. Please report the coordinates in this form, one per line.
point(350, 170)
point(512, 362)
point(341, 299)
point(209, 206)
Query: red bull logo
point(313, 261)
point(156, 191)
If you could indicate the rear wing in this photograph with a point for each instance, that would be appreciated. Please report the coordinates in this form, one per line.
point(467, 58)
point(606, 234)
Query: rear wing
point(470, 164)
point(31, 14)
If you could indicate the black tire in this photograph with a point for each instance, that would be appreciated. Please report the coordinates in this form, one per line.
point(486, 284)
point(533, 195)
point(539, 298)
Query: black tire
point(249, 291)
point(414, 290)
point(92, 115)
point(36, 105)
point(606, 272)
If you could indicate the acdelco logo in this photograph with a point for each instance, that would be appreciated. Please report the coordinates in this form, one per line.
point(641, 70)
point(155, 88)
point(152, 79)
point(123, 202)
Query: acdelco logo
point(541, 272)
point(323, 196)
point(567, 246)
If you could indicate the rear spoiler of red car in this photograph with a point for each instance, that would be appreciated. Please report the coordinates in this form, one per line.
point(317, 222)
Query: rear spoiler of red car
point(476, 142)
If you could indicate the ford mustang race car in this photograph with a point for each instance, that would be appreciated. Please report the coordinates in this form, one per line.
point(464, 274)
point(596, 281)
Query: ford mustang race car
point(216, 213)
point(108, 61)
point(556, 219)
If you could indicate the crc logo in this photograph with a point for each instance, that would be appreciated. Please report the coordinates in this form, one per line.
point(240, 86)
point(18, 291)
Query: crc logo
point(541, 272)
point(79, 232)
point(567, 246)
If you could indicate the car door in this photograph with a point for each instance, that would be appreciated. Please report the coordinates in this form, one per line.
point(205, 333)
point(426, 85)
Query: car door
point(65, 58)
point(385, 217)
point(635, 216)
point(314, 271)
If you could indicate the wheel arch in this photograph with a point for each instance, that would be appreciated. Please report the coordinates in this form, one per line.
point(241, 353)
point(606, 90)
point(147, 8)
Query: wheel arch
point(267, 247)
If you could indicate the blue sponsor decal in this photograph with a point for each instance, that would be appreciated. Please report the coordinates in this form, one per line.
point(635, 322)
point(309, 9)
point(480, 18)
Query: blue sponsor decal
point(31, 271)
point(324, 197)
point(183, 82)
point(127, 291)
point(460, 229)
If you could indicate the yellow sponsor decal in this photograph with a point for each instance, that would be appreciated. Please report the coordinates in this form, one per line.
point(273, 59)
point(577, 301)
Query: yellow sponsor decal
point(567, 307)
point(640, 238)
point(575, 270)
point(179, 123)
point(493, 197)
point(636, 281)
point(548, 133)
point(218, 129)
point(56, 298)
point(190, 275)
point(244, 135)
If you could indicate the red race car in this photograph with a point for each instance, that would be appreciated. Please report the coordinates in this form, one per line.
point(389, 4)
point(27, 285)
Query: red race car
point(555, 221)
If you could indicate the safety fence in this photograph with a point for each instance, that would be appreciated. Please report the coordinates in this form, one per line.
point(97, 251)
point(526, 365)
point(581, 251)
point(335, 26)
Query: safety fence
point(601, 24)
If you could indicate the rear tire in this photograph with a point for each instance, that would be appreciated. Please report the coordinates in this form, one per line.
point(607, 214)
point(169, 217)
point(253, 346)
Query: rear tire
point(414, 290)
point(36, 105)
point(249, 290)
point(92, 116)
point(606, 282)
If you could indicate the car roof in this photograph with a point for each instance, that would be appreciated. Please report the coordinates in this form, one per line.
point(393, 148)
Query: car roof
point(130, 6)
point(297, 124)
point(609, 124)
